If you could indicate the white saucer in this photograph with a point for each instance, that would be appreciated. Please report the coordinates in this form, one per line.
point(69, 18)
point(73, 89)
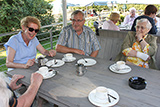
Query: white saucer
point(69, 60)
point(44, 60)
point(90, 61)
point(48, 75)
point(93, 100)
point(113, 68)
point(52, 64)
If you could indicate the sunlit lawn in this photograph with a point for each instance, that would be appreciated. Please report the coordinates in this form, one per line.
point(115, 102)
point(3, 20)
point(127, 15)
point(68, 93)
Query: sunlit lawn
point(3, 54)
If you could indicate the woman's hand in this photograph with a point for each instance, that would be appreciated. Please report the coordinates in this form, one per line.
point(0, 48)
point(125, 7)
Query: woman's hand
point(139, 36)
point(29, 63)
point(52, 53)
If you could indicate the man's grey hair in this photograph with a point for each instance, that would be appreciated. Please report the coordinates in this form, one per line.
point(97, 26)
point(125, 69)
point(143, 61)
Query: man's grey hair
point(5, 93)
point(132, 8)
point(149, 26)
point(76, 12)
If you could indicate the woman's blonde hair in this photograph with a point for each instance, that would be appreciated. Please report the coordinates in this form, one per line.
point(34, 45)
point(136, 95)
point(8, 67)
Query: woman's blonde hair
point(114, 16)
point(30, 19)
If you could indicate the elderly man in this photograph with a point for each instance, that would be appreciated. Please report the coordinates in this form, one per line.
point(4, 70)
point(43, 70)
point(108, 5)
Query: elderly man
point(139, 47)
point(7, 96)
point(150, 14)
point(129, 19)
point(78, 38)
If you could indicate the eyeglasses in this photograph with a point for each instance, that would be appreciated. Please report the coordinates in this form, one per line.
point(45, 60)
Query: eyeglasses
point(31, 29)
point(138, 27)
point(73, 20)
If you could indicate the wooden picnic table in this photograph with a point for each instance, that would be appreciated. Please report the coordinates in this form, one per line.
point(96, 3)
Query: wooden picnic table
point(67, 89)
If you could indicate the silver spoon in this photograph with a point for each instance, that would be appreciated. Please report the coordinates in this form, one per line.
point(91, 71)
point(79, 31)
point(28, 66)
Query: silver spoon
point(84, 60)
point(112, 96)
point(109, 98)
point(122, 69)
point(55, 62)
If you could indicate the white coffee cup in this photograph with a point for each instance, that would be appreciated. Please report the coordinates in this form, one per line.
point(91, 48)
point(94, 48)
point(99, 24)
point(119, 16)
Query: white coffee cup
point(68, 56)
point(101, 94)
point(43, 70)
point(120, 64)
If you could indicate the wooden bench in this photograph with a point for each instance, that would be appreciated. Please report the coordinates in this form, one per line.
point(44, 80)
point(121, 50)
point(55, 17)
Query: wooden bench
point(111, 42)
point(158, 56)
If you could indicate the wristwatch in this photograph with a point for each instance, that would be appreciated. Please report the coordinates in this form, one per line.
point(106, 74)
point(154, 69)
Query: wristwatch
point(140, 40)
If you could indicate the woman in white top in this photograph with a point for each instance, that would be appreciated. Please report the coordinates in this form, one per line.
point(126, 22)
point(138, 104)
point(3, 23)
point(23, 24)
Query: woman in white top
point(111, 23)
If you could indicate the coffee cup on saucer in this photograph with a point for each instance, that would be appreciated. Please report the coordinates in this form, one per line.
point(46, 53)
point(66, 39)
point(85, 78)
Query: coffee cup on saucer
point(68, 56)
point(43, 70)
point(101, 94)
point(120, 65)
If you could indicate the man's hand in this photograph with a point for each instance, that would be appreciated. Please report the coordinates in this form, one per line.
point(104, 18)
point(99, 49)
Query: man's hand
point(14, 80)
point(79, 52)
point(36, 79)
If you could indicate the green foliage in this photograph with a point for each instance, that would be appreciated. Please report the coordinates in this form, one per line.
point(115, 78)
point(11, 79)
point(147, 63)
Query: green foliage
point(12, 11)
point(60, 19)
point(4, 38)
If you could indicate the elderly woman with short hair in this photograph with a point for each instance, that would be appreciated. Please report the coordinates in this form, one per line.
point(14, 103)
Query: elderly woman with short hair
point(139, 47)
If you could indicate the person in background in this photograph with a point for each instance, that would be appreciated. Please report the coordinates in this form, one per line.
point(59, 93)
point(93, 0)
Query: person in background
point(78, 38)
point(158, 24)
point(129, 19)
point(94, 13)
point(7, 96)
point(150, 14)
point(96, 24)
point(139, 47)
point(111, 23)
point(22, 48)
point(84, 11)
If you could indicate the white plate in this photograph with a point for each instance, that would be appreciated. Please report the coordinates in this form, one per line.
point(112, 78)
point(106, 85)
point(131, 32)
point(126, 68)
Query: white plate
point(48, 75)
point(69, 60)
point(113, 68)
point(92, 98)
point(52, 64)
point(90, 61)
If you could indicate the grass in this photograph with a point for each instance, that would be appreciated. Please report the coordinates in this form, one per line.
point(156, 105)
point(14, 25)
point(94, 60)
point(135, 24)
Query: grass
point(2, 61)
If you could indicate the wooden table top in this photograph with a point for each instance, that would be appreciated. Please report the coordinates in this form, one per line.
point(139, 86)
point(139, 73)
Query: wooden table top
point(68, 89)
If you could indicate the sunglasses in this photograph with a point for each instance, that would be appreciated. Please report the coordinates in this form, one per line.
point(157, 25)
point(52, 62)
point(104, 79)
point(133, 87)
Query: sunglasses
point(31, 29)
